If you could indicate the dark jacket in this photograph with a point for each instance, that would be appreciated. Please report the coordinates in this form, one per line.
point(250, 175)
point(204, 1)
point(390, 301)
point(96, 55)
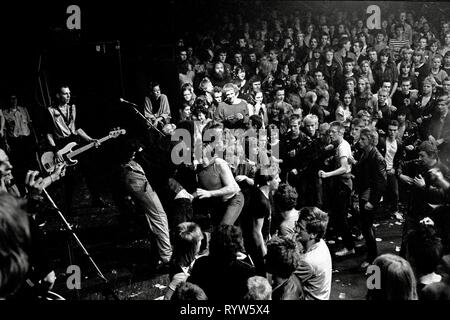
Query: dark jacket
point(300, 145)
point(420, 198)
point(441, 130)
point(371, 179)
point(405, 102)
point(425, 113)
point(399, 155)
point(330, 73)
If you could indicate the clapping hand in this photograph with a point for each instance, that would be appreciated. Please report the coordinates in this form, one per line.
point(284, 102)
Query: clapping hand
point(34, 183)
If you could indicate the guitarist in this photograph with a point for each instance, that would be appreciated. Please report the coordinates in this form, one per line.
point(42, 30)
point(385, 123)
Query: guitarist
point(61, 130)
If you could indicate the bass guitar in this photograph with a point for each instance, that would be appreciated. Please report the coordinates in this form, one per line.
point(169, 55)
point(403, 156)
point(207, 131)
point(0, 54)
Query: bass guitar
point(49, 161)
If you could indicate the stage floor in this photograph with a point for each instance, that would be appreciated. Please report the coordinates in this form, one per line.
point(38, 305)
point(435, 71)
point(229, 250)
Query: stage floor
point(125, 256)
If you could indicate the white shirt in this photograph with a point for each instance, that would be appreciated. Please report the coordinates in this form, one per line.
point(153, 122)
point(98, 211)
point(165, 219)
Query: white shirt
point(315, 272)
point(391, 150)
point(344, 150)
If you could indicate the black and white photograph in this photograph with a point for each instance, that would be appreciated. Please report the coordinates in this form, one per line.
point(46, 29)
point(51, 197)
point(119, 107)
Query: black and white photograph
point(224, 155)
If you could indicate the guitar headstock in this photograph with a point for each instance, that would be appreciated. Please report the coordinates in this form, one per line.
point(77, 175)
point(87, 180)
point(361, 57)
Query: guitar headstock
point(117, 132)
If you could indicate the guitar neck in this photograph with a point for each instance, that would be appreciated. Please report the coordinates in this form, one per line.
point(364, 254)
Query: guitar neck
point(86, 147)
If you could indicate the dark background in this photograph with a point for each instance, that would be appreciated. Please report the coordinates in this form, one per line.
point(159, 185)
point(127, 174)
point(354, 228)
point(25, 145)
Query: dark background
point(120, 47)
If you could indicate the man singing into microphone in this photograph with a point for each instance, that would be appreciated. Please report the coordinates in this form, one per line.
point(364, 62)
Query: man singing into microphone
point(61, 130)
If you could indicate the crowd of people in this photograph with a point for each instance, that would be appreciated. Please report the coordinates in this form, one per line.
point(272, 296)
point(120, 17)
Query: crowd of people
point(288, 126)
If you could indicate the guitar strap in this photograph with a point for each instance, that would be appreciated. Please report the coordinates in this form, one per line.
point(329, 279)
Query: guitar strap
point(60, 143)
point(67, 119)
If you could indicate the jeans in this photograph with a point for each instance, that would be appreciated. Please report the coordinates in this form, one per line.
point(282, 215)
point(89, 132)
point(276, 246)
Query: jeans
point(147, 199)
point(310, 192)
point(391, 196)
point(232, 209)
point(339, 209)
point(368, 231)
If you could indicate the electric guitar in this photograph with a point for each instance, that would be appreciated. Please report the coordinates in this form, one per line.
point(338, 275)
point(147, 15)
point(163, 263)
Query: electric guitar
point(49, 161)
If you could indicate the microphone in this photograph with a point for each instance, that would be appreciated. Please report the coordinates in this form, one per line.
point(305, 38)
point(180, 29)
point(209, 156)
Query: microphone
point(128, 102)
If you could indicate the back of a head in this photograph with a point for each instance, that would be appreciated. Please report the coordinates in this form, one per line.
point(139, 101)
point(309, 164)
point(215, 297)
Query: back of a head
point(283, 256)
point(424, 249)
point(14, 241)
point(259, 288)
point(226, 241)
point(285, 197)
point(187, 291)
point(187, 236)
point(397, 280)
point(265, 174)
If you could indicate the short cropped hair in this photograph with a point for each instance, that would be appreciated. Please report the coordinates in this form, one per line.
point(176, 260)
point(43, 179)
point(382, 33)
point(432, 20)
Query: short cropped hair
point(357, 122)
point(339, 125)
point(311, 118)
point(393, 123)
point(187, 291)
point(258, 288)
point(264, 175)
point(316, 221)
point(294, 117)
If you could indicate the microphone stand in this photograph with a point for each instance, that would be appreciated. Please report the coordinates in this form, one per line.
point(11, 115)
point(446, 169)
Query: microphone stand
point(150, 124)
point(107, 290)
